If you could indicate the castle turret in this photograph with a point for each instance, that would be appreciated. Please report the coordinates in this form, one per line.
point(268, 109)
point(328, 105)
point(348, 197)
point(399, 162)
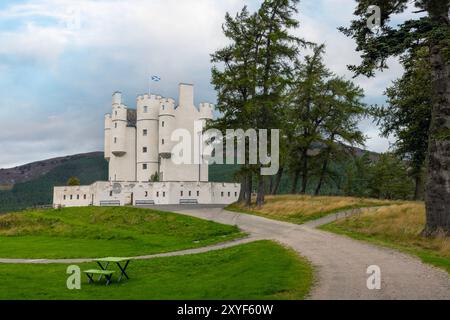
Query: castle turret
point(147, 136)
point(166, 126)
point(206, 111)
point(186, 94)
point(119, 126)
point(108, 125)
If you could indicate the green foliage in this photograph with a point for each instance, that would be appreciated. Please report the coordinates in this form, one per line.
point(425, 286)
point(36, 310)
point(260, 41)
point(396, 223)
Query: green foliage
point(377, 46)
point(155, 177)
point(73, 181)
point(390, 179)
point(322, 108)
point(258, 270)
point(251, 74)
point(408, 114)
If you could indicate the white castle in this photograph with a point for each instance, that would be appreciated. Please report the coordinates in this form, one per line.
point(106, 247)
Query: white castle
point(138, 148)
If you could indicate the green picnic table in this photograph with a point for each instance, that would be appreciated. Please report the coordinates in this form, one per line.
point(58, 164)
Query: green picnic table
point(91, 273)
point(122, 263)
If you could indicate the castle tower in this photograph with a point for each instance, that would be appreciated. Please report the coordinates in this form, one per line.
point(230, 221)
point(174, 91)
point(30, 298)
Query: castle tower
point(122, 161)
point(167, 125)
point(119, 126)
point(147, 131)
point(108, 125)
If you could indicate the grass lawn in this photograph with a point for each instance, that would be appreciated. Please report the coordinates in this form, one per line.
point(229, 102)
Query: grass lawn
point(398, 227)
point(258, 270)
point(94, 232)
point(300, 209)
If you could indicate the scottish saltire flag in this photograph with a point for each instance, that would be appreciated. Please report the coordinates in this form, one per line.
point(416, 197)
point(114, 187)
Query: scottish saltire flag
point(156, 78)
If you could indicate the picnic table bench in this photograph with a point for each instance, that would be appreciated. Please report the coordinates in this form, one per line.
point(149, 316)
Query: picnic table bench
point(91, 273)
point(122, 264)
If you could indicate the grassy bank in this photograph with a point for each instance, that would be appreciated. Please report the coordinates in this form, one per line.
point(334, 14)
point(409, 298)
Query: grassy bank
point(300, 209)
point(97, 232)
point(259, 270)
point(398, 227)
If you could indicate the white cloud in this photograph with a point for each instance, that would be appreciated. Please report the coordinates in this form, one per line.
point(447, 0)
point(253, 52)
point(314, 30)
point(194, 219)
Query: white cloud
point(121, 44)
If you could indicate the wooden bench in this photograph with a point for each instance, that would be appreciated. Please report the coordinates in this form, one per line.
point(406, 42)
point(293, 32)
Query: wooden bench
point(106, 273)
point(144, 203)
point(111, 203)
point(188, 201)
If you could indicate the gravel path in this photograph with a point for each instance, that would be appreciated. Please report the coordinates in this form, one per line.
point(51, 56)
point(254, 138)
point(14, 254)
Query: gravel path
point(341, 263)
point(218, 246)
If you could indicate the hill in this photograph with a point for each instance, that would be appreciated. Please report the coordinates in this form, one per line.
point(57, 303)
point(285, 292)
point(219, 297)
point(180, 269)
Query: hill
point(32, 184)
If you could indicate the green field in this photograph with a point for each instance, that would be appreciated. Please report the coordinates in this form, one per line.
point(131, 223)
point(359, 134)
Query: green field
point(96, 232)
point(259, 270)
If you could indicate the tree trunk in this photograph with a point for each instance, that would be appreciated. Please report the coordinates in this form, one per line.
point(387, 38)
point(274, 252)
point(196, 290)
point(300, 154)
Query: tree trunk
point(418, 187)
point(276, 187)
point(248, 200)
point(261, 191)
point(304, 171)
point(438, 178)
point(243, 194)
point(322, 174)
point(295, 182)
point(271, 184)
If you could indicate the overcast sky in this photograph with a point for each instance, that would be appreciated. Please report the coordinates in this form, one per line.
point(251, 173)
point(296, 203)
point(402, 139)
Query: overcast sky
point(61, 60)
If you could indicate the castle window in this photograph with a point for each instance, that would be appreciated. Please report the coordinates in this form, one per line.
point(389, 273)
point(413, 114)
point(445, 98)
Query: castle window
point(146, 194)
point(64, 197)
point(144, 149)
point(85, 197)
point(78, 197)
point(198, 193)
point(115, 140)
point(145, 109)
point(115, 125)
point(221, 194)
point(190, 193)
point(145, 132)
point(229, 194)
point(181, 193)
point(164, 194)
point(164, 107)
point(116, 113)
point(162, 142)
point(235, 194)
point(110, 193)
point(71, 197)
point(162, 124)
point(157, 194)
point(144, 166)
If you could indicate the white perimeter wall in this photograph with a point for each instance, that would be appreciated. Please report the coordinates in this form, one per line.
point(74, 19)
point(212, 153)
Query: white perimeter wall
point(159, 193)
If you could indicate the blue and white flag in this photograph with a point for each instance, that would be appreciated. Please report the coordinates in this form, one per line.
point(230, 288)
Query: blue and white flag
point(156, 78)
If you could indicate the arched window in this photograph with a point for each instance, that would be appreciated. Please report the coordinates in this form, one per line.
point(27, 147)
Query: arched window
point(162, 142)
point(145, 109)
